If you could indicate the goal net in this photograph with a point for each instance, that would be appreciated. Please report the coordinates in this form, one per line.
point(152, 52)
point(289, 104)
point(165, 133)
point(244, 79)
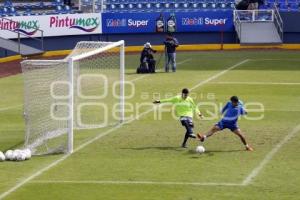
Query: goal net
point(83, 91)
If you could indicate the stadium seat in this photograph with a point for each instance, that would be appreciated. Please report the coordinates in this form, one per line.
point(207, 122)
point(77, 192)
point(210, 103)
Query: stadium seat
point(59, 10)
point(293, 2)
point(263, 7)
point(60, 2)
point(140, 6)
point(271, 3)
point(5, 12)
point(111, 7)
point(157, 5)
point(294, 7)
point(222, 5)
point(283, 7)
point(149, 5)
point(13, 12)
point(194, 5)
point(27, 12)
point(68, 9)
point(212, 5)
point(7, 4)
point(203, 5)
point(282, 2)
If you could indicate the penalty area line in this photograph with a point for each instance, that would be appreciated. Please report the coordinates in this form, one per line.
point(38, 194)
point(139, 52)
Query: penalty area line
point(252, 83)
point(53, 164)
point(269, 156)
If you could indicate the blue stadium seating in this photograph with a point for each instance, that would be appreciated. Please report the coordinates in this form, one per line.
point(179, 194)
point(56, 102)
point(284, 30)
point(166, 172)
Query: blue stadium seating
point(283, 7)
point(167, 5)
point(39, 7)
point(294, 7)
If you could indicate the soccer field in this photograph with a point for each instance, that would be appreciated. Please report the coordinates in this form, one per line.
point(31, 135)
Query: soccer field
point(142, 158)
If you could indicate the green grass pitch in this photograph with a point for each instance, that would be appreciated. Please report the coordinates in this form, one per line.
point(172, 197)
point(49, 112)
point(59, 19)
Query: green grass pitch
point(142, 160)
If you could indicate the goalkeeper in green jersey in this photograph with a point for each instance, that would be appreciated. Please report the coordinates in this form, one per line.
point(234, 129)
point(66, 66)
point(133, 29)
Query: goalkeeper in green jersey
point(185, 109)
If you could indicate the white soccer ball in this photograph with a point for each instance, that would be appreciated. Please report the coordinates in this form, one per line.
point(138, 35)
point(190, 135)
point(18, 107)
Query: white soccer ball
point(16, 154)
point(8, 154)
point(21, 156)
point(200, 149)
point(27, 152)
point(2, 156)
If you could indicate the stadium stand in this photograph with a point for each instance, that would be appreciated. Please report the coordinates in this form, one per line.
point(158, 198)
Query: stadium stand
point(37, 7)
point(33, 7)
point(187, 6)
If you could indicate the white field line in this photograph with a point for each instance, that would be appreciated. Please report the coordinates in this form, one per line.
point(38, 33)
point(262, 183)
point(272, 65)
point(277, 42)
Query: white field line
point(41, 171)
point(184, 61)
point(281, 110)
point(275, 59)
point(219, 74)
point(134, 182)
point(269, 156)
point(246, 181)
point(253, 83)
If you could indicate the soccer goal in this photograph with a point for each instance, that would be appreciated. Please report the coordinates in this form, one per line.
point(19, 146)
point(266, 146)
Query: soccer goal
point(83, 91)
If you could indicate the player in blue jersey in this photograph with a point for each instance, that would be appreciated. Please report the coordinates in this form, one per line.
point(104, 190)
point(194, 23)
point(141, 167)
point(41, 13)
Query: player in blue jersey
point(231, 111)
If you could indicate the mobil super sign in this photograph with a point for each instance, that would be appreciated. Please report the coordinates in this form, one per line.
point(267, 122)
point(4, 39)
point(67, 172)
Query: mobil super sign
point(206, 21)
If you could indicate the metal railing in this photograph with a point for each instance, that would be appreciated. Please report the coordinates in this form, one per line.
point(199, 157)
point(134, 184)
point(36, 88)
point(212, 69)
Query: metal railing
point(278, 22)
point(253, 16)
point(237, 23)
point(91, 6)
point(21, 35)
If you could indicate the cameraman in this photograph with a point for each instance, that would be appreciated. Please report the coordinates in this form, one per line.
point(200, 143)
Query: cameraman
point(147, 58)
point(171, 43)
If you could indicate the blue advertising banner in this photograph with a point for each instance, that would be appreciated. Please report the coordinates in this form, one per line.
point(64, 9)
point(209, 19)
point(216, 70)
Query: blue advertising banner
point(129, 22)
point(204, 21)
point(209, 21)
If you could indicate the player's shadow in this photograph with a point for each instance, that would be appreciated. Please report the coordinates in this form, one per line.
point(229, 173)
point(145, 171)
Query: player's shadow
point(169, 148)
point(134, 73)
point(212, 152)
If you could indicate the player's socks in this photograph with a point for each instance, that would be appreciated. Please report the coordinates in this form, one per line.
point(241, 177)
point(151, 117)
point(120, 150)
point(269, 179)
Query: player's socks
point(186, 137)
point(249, 148)
point(201, 137)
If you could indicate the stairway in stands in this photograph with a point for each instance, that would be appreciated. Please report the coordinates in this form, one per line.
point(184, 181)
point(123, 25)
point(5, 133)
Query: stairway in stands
point(258, 26)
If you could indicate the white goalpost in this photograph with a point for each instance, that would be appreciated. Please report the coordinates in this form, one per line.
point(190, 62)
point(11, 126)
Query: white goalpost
point(83, 91)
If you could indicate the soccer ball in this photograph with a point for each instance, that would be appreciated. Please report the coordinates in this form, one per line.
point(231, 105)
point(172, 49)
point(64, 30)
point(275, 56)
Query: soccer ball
point(16, 154)
point(21, 156)
point(8, 154)
point(27, 152)
point(2, 156)
point(200, 149)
